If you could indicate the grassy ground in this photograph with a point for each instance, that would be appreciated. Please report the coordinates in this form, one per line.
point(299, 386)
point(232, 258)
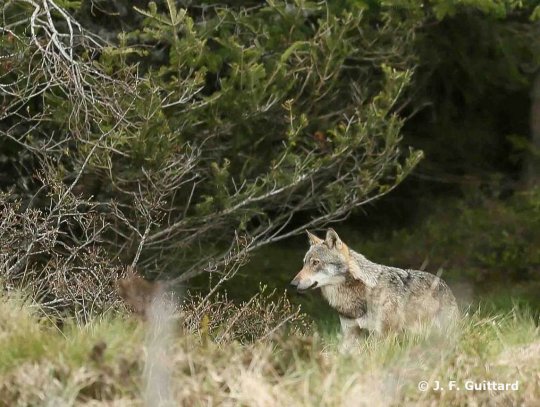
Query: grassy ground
point(489, 256)
point(114, 361)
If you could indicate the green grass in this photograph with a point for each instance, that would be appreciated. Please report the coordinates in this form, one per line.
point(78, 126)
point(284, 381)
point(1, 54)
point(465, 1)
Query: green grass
point(43, 365)
point(27, 336)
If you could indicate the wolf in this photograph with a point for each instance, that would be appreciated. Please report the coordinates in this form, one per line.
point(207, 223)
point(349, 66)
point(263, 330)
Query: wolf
point(371, 297)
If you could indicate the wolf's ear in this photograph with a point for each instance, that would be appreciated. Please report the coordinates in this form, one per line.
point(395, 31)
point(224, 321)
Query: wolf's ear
point(313, 240)
point(332, 240)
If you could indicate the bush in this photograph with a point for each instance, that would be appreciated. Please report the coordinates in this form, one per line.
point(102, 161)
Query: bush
point(191, 136)
point(264, 315)
point(214, 316)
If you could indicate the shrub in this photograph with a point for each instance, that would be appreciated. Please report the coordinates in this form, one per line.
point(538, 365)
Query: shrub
point(189, 136)
point(264, 315)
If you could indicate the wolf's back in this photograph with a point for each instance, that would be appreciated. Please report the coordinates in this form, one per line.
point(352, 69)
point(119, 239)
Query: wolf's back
point(417, 295)
point(428, 290)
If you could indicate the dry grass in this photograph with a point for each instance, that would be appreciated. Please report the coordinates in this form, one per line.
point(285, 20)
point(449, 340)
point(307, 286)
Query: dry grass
point(107, 362)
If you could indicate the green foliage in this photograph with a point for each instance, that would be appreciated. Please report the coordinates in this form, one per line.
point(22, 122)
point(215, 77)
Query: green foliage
point(187, 131)
point(480, 239)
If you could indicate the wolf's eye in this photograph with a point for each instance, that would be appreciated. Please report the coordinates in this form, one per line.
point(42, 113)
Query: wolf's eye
point(315, 262)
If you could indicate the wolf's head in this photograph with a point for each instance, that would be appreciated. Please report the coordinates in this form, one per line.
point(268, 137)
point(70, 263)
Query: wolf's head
point(326, 263)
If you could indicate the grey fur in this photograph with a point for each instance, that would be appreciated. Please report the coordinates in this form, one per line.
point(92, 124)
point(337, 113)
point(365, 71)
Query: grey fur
point(370, 296)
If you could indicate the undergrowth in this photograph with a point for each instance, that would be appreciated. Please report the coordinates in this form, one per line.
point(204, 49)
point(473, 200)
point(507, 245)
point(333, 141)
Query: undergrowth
point(106, 362)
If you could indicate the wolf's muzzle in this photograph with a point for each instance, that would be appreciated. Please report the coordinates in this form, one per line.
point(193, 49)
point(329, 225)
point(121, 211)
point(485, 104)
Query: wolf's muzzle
point(303, 290)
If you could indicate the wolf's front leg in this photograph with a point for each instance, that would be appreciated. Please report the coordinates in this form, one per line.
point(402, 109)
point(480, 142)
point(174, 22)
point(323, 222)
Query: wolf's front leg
point(351, 331)
point(348, 327)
